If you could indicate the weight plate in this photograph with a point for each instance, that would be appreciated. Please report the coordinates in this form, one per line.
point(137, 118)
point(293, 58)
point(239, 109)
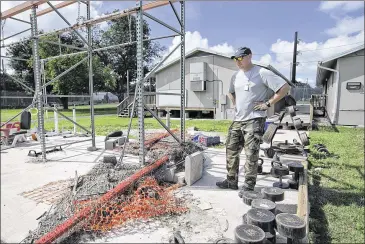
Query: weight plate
point(269, 133)
point(285, 146)
point(297, 123)
point(282, 185)
point(296, 167)
point(263, 204)
point(273, 174)
point(244, 219)
point(248, 196)
point(290, 226)
point(273, 194)
point(269, 153)
point(249, 234)
point(262, 218)
point(223, 240)
point(291, 111)
point(281, 170)
point(293, 184)
point(304, 139)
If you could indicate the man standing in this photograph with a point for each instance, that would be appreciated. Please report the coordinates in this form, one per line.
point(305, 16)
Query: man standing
point(251, 89)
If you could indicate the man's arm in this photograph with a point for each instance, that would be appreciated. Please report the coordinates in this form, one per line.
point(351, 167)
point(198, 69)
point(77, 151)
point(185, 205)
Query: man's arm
point(232, 97)
point(279, 94)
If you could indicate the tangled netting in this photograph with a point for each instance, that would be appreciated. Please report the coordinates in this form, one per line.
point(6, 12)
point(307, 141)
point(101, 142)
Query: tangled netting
point(149, 200)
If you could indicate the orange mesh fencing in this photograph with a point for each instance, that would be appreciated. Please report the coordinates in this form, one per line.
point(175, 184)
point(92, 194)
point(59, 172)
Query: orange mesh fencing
point(149, 200)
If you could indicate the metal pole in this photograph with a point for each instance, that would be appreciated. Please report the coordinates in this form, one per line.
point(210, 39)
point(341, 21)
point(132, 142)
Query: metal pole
point(128, 84)
point(139, 86)
point(55, 114)
point(161, 22)
point(64, 19)
point(294, 69)
point(175, 12)
point(74, 117)
point(82, 127)
point(63, 45)
point(91, 80)
point(15, 34)
point(17, 114)
point(27, 22)
point(182, 73)
point(18, 81)
point(14, 58)
point(37, 79)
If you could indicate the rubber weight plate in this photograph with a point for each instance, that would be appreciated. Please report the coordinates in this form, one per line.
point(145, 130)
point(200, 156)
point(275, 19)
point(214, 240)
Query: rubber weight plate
point(296, 167)
point(270, 237)
point(249, 234)
point(281, 170)
point(293, 184)
point(290, 226)
point(263, 204)
point(297, 123)
point(291, 111)
point(223, 240)
point(244, 219)
point(304, 139)
point(273, 194)
point(262, 218)
point(269, 133)
point(248, 196)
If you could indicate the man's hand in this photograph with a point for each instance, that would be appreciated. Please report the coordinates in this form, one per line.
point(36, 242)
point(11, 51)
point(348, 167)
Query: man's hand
point(260, 106)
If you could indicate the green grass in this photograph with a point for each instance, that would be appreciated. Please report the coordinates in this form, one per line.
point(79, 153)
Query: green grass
point(336, 189)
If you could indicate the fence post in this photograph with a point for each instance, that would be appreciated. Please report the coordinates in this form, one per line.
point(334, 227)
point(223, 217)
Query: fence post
point(56, 119)
point(74, 117)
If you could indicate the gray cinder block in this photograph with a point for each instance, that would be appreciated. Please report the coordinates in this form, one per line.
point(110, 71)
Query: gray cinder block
point(110, 144)
point(194, 167)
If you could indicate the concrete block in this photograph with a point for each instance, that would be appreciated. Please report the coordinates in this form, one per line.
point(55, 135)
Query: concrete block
point(110, 144)
point(121, 140)
point(180, 178)
point(194, 167)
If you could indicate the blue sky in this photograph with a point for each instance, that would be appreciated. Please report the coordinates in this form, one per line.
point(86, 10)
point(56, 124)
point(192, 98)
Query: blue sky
point(266, 26)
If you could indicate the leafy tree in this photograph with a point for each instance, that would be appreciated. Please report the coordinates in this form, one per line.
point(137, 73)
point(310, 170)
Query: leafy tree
point(125, 58)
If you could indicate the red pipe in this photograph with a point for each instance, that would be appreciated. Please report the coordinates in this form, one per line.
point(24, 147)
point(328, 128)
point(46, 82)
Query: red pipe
point(153, 140)
point(61, 229)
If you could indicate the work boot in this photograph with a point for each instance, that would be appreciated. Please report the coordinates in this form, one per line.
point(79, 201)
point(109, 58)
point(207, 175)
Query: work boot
point(228, 184)
point(243, 189)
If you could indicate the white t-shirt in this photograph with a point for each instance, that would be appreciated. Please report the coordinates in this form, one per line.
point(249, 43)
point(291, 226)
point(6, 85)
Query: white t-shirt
point(256, 85)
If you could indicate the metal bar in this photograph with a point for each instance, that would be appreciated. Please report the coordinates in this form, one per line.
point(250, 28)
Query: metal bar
point(67, 95)
point(63, 56)
point(139, 87)
point(157, 66)
point(162, 124)
point(13, 43)
point(64, 73)
point(161, 93)
point(91, 74)
point(15, 34)
point(112, 16)
point(27, 22)
point(63, 45)
point(18, 114)
point(58, 6)
point(18, 81)
point(182, 73)
point(161, 22)
point(176, 14)
point(37, 79)
point(82, 127)
point(22, 97)
point(64, 19)
point(15, 58)
point(130, 43)
point(68, 143)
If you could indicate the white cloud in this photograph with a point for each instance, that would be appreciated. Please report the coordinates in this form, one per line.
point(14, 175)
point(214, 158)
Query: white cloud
point(347, 25)
point(195, 40)
point(343, 6)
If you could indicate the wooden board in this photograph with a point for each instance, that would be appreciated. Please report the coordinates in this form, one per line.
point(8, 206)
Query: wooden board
point(303, 201)
point(20, 8)
point(57, 6)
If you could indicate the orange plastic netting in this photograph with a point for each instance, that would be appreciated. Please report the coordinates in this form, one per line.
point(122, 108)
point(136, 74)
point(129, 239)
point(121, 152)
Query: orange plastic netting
point(149, 200)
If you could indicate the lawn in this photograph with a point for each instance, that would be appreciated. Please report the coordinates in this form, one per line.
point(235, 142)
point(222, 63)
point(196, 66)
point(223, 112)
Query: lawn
point(336, 189)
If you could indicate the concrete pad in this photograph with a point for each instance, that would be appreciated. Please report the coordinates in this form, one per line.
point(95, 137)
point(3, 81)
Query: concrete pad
point(20, 173)
point(194, 167)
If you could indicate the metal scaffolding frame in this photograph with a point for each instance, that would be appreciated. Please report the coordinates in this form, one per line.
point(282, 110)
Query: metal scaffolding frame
point(139, 10)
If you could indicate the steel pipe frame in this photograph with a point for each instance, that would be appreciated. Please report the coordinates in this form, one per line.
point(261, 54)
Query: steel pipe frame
point(18, 81)
point(15, 34)
point(175, 12)
point(63, 45)
point(15, 58)
point(66, 21)
point(67, 95)
point(27, 22)
point(161, 22)
point(68, 143)
point(162, 124)
point(18, 114)
point(182, 72)
point(70, 120)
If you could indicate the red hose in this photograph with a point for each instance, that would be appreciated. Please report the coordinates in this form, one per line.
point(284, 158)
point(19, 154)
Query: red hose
point(61, 229)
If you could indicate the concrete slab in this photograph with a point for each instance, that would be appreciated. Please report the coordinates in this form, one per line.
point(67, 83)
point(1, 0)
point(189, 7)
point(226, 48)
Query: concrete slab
point(194, 167)
point(20, 173)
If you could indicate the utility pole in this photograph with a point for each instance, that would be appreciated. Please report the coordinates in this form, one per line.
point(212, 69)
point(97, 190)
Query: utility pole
point(295, 53)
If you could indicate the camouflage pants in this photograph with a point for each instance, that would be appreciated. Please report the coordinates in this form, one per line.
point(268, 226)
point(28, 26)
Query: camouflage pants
point(247, 135)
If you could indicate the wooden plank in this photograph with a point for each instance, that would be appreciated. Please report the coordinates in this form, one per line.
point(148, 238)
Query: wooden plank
point(117, 15)
point(303, 201)
point(57, 6)
point(20, 8)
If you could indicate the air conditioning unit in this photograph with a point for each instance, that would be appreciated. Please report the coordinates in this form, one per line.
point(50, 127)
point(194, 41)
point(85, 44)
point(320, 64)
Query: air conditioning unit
point(198, 74)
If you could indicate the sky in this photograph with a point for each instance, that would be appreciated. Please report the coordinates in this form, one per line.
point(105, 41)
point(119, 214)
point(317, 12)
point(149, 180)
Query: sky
point(267, 27)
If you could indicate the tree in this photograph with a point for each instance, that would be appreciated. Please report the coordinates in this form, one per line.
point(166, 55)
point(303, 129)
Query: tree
point(125, 58)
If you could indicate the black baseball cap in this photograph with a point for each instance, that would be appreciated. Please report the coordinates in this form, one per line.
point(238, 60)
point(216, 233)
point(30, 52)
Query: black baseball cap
point(241, 52)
